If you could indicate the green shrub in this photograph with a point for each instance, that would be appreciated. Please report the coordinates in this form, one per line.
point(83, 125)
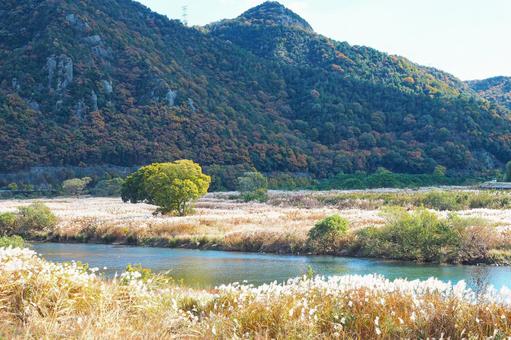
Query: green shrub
point(419, 236)
point(75, 186)
point(507, 174)
point(108, 188)
point(253, 186)
point(12, 241)
point(326, 235)
point(443, 200)
point(7, 224)
point(333, 225)
point(35, 220)
point(439, 171)
point(260, 195)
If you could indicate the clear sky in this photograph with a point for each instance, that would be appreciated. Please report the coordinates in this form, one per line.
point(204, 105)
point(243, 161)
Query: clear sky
point(468, 38)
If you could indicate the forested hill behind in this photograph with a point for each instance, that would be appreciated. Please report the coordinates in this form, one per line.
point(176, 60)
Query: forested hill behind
point(94, 82)
point(496, 89)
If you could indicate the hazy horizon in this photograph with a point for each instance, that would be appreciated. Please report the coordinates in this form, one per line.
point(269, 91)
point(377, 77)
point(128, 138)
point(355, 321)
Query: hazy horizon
point(462, 37)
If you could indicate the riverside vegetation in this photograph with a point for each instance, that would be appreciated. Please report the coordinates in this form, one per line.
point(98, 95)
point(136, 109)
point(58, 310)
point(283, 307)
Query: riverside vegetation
point(369, 224)
point(40, 299)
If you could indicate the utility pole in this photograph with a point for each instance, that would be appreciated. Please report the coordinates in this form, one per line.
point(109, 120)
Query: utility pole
point(185, 15)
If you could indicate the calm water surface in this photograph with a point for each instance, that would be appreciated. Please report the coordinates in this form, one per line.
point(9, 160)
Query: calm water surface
point(205, 269)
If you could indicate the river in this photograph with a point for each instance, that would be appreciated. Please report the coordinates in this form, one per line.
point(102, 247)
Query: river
point(205, 269)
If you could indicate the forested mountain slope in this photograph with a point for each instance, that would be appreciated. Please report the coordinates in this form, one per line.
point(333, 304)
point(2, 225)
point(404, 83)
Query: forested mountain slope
point(109, 82)
point(496, 90)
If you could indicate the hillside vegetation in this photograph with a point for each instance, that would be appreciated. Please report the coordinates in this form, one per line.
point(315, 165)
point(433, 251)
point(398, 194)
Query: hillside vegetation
point(496, 90)
point(99, 82)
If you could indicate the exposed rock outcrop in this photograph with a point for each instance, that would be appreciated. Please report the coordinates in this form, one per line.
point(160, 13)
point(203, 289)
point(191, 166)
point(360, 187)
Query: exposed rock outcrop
point(77, 23)
point(94, 101)
point(60, 70)
point(107, 86)
point(170, 97)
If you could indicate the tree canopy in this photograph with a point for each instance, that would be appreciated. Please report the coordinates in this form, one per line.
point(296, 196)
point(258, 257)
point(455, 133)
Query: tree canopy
point(173, 187)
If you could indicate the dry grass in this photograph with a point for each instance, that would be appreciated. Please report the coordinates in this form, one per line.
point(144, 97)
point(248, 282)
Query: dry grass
point(219, 222)
point(42, 300)
point(214, 217)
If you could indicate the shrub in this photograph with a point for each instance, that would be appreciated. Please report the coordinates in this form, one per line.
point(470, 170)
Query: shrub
point(507, 175)
point(419, 236)
point(12, 186)
point(12, 241)
point(477, 243)
point(443, 200)
point(322, 238)
point(75, 186)
point(260, 195)
point(173, 187)
point(7, 224)
point(35, 220)
point(334, 224)
point(439, 171)
point(253, 186)
point(108, 188)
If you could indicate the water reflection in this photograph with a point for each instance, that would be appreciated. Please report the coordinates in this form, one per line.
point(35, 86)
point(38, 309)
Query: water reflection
point(211, 268)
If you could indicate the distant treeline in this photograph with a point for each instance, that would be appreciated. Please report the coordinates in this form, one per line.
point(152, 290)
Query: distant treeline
point(48, 181)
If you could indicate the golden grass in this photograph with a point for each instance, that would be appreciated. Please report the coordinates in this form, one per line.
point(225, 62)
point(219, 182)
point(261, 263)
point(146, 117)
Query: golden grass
point(42, 300)
point(218, 220)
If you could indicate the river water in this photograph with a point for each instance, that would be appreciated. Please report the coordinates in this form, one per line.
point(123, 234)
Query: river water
point(205, 269)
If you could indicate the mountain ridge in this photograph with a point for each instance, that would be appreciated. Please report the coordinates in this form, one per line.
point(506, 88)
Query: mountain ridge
point(495, 89)
point(97, 82)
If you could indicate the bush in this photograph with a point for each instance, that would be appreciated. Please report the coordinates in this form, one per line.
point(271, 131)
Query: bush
point(419, 236)
point(440, 171)
point(260, 195)
point(108, 188)
point(75, 186)
point(444, 200)
point(12, 241)
point(334, 224)
point(477, 243)
point(253, 186)
point(35, 220)
point(507, 175)
point(225, 177)
point(173, 187)
point(7, 224)
point(322, 238)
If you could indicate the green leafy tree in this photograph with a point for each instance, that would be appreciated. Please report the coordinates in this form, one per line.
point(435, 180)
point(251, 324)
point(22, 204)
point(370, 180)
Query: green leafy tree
point(253, 186)
point(439, 171)
point(507, 176)
point(75, 186)
point(173, 187)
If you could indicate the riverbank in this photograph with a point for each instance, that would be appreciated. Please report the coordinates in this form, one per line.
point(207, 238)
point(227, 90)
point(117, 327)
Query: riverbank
point(279, 226)
point(71, 301)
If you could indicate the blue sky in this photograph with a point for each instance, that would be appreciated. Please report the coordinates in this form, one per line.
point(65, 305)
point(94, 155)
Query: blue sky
point(468, 38)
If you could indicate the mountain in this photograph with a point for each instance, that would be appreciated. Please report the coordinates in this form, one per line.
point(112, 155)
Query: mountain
point(496, 90)
point(97, 82)
point(272, 31)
